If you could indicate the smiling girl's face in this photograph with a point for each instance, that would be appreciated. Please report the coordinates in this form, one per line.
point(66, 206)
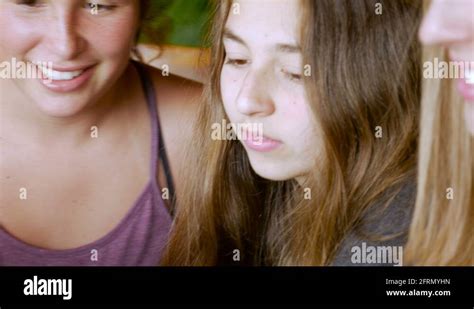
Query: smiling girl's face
point(89, 49)
point(262, 82)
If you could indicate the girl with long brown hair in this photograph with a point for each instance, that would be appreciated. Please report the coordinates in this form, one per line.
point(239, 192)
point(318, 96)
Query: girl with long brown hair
point(334, 86)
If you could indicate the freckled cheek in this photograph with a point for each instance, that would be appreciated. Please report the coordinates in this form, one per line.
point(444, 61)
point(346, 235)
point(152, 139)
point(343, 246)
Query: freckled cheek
point(297, 117)
point(295, 108)
point(112, 38)
point(17, 36)
point(229, 89)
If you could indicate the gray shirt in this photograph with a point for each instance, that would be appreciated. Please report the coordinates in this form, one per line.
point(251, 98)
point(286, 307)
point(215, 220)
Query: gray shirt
point(390, 223)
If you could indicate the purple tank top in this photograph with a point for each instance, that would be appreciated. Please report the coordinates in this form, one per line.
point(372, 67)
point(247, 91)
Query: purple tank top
point(138, 240)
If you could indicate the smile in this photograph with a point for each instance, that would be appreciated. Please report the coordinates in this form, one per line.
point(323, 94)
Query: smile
point(64, 80)
point(58, 75)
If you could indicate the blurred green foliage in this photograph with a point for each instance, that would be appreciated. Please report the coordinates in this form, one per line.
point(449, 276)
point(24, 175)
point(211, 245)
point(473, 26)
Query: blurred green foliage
point(178, 22)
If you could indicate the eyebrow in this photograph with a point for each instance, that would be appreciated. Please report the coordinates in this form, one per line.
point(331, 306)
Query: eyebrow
point(281, 47)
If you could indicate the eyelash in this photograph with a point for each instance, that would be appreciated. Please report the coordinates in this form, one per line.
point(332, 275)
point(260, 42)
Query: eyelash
point(88, 5)
point(30, 3)
point(291, 76)
point(100, 7)
point(236, 62)
point(241, 62)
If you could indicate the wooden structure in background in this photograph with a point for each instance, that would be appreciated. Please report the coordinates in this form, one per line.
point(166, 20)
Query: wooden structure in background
point(188, 62)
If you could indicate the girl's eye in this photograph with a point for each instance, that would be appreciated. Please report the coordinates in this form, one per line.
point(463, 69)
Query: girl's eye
point(32, 3)
point(236, 62)
point(292, 76)
point(95, 7)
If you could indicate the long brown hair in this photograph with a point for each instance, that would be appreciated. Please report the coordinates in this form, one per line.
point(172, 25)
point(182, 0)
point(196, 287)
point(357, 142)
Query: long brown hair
point(365, 72)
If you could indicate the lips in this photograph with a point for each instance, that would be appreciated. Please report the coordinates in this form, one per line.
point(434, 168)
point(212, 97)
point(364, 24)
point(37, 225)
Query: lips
point(261, 143)
point(469, 77)
point(66, 79)
point(466, 89)
point(466, 85)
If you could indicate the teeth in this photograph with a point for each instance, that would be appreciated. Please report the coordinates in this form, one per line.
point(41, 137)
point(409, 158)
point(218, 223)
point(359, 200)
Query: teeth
point(56, 75)
point(469, 76)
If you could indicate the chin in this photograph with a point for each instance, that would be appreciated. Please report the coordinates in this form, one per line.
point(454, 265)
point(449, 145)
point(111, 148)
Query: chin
point(275, 171)
point(61, 107)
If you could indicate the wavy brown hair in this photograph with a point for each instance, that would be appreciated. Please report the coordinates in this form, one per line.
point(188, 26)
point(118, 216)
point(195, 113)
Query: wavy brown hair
point(365, 72)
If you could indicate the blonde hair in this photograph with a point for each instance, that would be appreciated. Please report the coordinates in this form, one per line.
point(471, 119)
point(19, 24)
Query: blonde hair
point(441, 231)
point(365, 67)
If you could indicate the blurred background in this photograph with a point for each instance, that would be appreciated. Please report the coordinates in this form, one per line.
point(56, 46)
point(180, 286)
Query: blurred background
point(180, 22)
point(175, 35)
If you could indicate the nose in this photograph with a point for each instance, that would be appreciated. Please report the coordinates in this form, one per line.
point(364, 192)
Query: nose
point(254, 97)
point(64, 40)
point(438, 27)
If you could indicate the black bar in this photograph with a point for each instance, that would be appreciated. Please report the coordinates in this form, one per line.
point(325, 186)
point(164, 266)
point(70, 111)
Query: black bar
point(289, 285)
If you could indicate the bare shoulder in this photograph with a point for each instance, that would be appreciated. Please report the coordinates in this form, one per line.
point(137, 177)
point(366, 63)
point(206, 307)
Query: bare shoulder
point(178, 100)
point(177, 97)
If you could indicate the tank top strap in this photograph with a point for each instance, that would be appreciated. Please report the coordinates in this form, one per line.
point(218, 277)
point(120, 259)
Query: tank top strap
point(150, 96)
point(158, 145)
